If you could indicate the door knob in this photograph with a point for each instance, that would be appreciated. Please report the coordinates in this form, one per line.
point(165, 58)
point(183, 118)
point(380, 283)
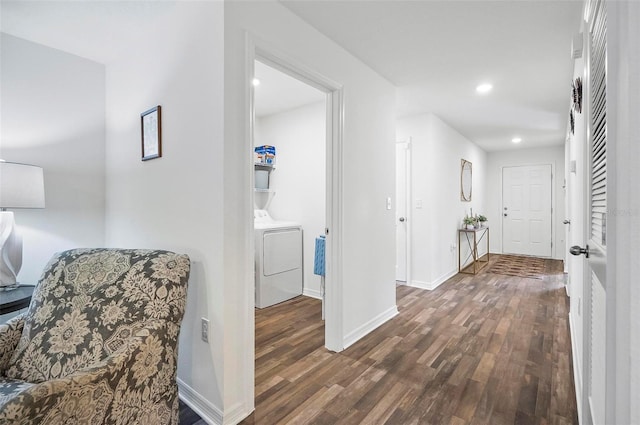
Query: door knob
point(577, 250)
point(566, 222)
point(401, 219)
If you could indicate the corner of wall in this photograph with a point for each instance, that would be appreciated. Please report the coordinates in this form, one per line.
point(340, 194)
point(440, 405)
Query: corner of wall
point(203, 408)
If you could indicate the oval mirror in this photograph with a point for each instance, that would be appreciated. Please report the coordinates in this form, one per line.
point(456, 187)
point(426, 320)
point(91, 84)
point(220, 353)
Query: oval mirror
point(465, 181)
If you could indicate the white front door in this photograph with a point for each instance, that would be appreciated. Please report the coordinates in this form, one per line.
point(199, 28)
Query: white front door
point(402, 195)
point(526, 210)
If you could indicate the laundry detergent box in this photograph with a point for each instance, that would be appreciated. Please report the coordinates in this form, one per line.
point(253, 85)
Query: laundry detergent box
point(265, 154)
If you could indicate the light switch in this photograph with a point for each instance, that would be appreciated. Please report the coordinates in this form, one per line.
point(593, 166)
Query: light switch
point(388, 203)
point(418, 203)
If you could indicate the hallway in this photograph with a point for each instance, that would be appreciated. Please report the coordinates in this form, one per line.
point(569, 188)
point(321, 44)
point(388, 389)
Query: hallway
point(485, 349)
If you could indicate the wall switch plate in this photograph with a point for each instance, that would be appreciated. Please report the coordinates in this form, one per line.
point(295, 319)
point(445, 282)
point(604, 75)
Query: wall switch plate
point(388, 203)
point(418, 203)
point(205, 330)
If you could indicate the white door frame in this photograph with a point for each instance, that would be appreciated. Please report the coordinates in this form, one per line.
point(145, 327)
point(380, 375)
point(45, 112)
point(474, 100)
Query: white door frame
point(258, 49)
point(408, 203)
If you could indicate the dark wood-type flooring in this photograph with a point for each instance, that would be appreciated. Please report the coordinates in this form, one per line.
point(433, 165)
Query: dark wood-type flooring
point(485, 349)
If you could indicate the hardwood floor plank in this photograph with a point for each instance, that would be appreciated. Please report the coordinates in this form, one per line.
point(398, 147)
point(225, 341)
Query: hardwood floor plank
point(484, 368)
point(483, 349)
point(313, 406)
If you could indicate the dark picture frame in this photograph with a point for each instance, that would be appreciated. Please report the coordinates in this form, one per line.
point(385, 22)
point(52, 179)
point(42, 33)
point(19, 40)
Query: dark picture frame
point(151, 125)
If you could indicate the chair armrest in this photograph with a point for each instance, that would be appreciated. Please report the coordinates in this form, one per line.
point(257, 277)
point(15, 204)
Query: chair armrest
point(125, 385)
point(10, 333)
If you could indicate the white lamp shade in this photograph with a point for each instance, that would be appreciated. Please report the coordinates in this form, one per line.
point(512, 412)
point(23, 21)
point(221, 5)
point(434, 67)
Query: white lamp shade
point(21, 186)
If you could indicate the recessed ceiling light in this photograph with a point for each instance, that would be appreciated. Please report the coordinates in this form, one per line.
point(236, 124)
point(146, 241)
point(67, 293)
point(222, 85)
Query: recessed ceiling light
point(516, 140)
point(484, 88)
point(255, 82)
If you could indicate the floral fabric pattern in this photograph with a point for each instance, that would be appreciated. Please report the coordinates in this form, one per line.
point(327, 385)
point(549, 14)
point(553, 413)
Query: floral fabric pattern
point(99, 342)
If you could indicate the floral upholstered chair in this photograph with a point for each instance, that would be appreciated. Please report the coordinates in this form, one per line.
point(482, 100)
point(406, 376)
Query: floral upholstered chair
point(99, 341)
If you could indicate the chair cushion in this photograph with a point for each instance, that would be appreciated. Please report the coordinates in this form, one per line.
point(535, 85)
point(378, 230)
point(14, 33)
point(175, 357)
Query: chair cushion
point(10, 388)
point(89, 301)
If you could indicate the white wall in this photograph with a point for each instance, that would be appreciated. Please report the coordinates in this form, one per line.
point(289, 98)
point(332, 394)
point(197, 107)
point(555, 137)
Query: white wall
point(437, 150)
point(623, 199)
point(53, 116)
point(368, 275)
point(175, 202)
point(299, 136)
point(496, 161)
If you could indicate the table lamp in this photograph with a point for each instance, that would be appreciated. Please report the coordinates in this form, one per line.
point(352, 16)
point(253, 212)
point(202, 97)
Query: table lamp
point(21, 186)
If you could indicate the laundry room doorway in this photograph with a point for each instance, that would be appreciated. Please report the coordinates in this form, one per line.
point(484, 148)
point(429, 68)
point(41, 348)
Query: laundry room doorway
point(289, 135)
point(295, 124)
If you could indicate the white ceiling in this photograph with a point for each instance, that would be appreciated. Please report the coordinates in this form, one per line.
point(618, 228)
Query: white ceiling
point(278, 92)
point(435, 52)
point(97, 30)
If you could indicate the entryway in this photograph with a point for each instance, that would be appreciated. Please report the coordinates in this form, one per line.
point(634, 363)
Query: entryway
point(526, 210)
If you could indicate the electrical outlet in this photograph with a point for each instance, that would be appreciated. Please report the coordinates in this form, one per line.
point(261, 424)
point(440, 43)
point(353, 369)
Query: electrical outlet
point(205, 330)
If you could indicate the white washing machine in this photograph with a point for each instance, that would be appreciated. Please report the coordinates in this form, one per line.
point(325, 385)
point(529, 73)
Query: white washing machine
point(278, 260)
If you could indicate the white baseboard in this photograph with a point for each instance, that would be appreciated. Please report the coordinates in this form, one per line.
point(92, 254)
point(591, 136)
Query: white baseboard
point(236, 414)
point(577, 374)
point(434, 284)
point(203, 408)
point(370, 326)
point(313, 293)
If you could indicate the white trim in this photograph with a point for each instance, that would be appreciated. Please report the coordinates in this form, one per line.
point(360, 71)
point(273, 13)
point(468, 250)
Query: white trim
point(247, 360)
point(442, 279)
point(409, 202)
point(370, 326)
point(430, 286)
point(577, 376)
point(420, 284)
point(236, 414)
point(334, 309)
point(208, 412)
point(312, 293)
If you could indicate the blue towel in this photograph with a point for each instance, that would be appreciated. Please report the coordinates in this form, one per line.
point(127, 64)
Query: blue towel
point(318, 262)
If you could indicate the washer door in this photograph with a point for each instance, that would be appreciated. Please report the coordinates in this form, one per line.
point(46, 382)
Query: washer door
point(282, 251)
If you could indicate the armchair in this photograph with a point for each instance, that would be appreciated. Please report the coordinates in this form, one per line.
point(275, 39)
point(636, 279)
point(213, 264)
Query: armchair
point(99, 341)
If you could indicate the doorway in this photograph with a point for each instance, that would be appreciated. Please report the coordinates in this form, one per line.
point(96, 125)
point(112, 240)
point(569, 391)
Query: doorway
point(526, 210)
point(289, 194)
point(333, 213)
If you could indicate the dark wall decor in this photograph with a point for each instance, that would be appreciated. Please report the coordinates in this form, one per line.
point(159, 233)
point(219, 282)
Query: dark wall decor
point(576, 88)
point(151, 123)
point(572, 122)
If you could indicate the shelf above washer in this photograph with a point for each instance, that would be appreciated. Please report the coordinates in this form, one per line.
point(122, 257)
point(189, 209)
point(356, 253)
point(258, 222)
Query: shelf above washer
point(268, 167)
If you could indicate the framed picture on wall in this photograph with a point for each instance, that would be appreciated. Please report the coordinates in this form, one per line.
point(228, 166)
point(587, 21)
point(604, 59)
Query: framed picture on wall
point(151, 133)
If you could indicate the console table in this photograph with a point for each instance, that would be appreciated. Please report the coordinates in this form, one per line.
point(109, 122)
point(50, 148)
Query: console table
point(15, 299)
point(473, 263)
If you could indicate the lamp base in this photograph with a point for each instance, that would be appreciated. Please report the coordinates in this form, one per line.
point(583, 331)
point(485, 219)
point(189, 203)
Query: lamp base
point(10, 250)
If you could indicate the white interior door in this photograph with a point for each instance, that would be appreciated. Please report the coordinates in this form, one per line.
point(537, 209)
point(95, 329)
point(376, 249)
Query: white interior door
point(403, 153)
point(597, 405)
point(526, 213)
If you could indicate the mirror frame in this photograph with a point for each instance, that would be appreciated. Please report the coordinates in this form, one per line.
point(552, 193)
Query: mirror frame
point(466, 170)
